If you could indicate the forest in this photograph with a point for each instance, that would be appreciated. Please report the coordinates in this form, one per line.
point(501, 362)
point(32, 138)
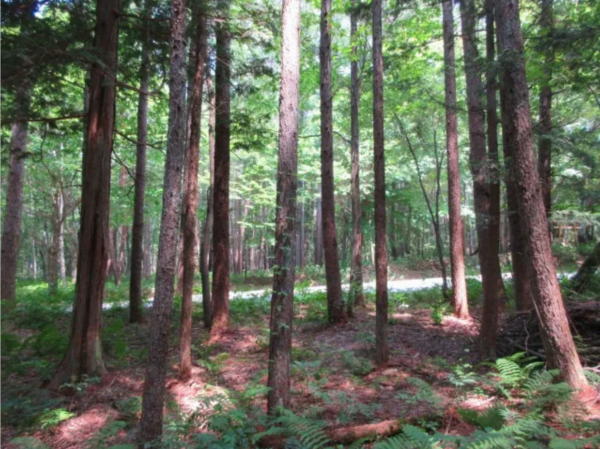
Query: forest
point(300, 224)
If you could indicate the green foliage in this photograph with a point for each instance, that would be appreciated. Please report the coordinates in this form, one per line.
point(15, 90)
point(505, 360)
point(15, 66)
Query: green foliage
point(27, 443)
point(53, 418)
point(305, 433)
point(421, 393)
point(358, 366)
point(438, 312)
point(10, 343)
point(491, 418)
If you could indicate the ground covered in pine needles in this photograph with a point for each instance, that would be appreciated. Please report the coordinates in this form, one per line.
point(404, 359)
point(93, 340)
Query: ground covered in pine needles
point(434, 385)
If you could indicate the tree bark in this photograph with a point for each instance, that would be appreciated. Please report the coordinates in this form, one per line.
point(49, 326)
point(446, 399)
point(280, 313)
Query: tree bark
point(282, 300)
point(488, 258)
point(335, 304)
point(154, 386)
point(208, 223)
point(220, 315)
point(516, 117)
point(382, 353)
point(136, 313)
point(492, 141)
point(84, 353)
point(57, 243)
point(586, 270)
point(190, 203)
point(356, 295)
point(545, 123)
point(457, 260)
point(318, 233)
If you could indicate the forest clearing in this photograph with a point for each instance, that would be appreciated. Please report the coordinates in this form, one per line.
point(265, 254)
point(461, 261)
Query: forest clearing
point(300, 224)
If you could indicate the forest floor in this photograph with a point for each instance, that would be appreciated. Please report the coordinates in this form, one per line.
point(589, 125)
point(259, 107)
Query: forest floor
point(432, 380)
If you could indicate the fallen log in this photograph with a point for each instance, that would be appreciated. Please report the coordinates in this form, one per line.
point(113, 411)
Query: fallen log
point(348, 435)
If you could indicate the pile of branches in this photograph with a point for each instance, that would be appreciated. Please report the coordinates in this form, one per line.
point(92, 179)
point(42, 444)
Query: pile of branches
point(521, 332)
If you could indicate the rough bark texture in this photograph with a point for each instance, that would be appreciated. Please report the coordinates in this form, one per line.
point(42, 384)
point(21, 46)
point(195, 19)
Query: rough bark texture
point(154, 386)
point(335, 304)
point(137, 230)
point(54, 251)
point(208, 223)
point(545, 123)
point(13, 211)
point(356, 295)
point(318, 233)
point(457, 260)
point(84, 353)
point(488, 259)
point(220, 316)
point(282, 300)
point(492, 141)
point(382, 354)
point(516, 116)
point(190, 203)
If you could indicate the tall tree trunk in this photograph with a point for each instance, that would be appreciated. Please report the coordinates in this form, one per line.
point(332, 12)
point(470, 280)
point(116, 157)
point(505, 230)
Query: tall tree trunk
point(54, 251)
point(516, 118)
point(13, 212)
point(382, 354)
point(335, 304)
point(457, 257)
point(190, 203)
point(488, 258)
point(492, 141)
point(154, 386)
point(545, 124)
point(208, 223)
point(136, 314)
point(84, 353)
point(282, 300)
point(586, 270)
point(356, 295)
point(220, 315)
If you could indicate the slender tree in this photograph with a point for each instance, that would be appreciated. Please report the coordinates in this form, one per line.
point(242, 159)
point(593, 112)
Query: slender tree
point(356, 296)
point(84, 353)
point(335, 304)
point(545, 121)
point(13, 212)
point(220, 301)
point(137, 230)
point(488, 258)
point(208, 223)
point(282, 300)
point(190, 202)
point(457, 258)
point(156, 370)
point(558, 342)
point(382, 354)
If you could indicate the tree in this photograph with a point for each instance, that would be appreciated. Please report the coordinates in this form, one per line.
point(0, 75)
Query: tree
point(356, 296)
point(282, 300)
point(558, 342)
point(84, 353)
point(457, 258)
point(382, 354)
point(137, 229)
point(13, 212)
point(586, 270)
point(190, 202)
point(545, 123)
point(208, 223)
point(156, 369)
point(489, 261)
point(335, 305)
point(220, 300)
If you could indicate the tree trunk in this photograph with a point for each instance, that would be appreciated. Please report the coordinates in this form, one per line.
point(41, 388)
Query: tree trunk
point(586, 270)
point(492, 141)
point(154, 386)
point(13, 212)
point(190, 203)
point(457, 258)
point(282, 300)
point(318, 233)
point(335, 305)
point(208, 223)
point(136, 313)
point(382, 354)
point(84, 353)
point(54, 251)
point(488, 259)
point(220, 316)
point(545, 124)
point(516, 117)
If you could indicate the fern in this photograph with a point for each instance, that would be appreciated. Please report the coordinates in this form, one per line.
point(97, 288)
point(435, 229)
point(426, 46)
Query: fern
point(305, 433)
point(411, 438)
